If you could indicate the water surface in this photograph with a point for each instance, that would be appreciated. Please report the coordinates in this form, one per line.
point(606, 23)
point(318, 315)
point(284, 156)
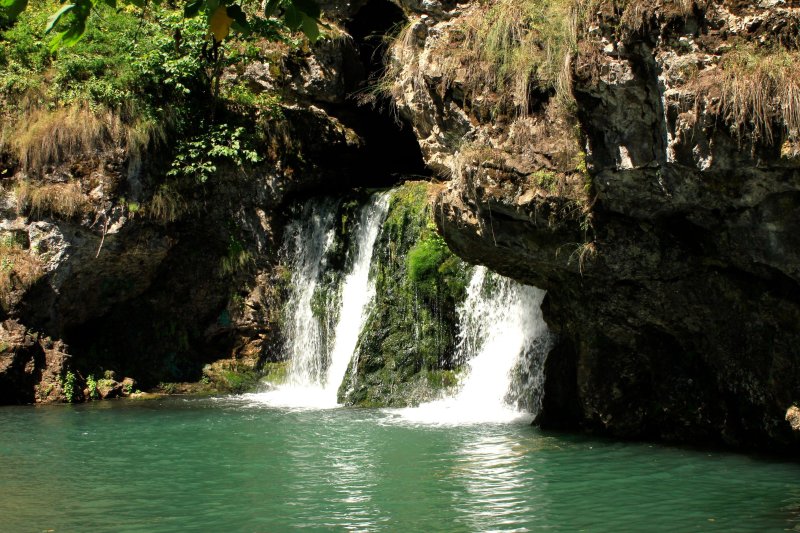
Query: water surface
point(231, 465)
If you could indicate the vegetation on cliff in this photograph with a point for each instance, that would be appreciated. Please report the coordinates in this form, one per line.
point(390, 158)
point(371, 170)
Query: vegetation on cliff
point(75, 126)
point(406, 349)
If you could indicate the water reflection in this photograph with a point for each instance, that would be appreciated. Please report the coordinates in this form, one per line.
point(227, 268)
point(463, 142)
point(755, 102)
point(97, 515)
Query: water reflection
point(333, 479)
point(500, 491)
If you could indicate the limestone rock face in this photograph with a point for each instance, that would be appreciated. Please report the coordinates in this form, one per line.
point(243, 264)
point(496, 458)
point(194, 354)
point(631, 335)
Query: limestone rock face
point(30, 367)
point(156, 295)
point(671, 260)
point(84, 279)
point(793, 417)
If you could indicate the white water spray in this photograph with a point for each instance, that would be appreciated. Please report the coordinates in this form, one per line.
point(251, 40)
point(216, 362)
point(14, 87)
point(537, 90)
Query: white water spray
point(320, 357)
point(308, 240)
point(358, 291)
point(501, 332)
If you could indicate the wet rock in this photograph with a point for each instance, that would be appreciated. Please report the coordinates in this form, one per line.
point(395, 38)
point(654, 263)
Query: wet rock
point(793, 417)
point(31, 367)
point(20, 358)
point(674, 284)
point(108, 388)
point(128, 386)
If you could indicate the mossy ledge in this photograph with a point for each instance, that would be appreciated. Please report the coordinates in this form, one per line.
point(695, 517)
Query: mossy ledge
point(406, 352)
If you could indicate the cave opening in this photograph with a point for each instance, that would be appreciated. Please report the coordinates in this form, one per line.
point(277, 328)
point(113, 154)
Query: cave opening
point(392, 152)
point(370, 26)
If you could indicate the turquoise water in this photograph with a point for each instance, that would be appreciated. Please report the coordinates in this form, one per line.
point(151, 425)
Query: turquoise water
point(226, 465)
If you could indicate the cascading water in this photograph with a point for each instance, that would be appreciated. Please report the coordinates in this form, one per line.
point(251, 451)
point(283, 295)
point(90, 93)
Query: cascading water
point(307, 240)
point(504, 340)
point(319, 356)
point(357, 293)
point(501, 339)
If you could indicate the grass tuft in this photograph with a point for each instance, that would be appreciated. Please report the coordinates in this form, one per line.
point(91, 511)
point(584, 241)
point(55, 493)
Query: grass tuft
point(65, 200)
point(758, 91)
point(19, 269)
point(46, 137)
point(167, 204)
point(761, 88)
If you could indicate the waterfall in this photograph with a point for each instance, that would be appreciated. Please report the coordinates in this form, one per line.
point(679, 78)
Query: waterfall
point(504, 340)
point(357, 292)
point(500, 342)
point(321, 342)
point(308, 238)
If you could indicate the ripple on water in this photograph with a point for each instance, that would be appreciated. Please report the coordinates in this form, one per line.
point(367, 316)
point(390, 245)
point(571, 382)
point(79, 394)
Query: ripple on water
point(212, 465)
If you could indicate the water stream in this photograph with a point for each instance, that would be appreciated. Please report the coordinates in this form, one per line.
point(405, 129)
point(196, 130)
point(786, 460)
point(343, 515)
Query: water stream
point(319, 357)
point(502, 338)
point(357, 293)
point(308, 238)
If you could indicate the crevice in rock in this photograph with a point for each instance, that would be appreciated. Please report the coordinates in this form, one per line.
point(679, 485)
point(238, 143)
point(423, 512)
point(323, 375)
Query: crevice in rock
point(369, 27)
point(391, 150)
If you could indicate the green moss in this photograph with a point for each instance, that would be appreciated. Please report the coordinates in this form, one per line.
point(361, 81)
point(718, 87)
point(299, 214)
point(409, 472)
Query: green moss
point(424, 260)
point(387, 388)
point(410, 332)
point(443, 379)
point(276, 373)
point(237, 381)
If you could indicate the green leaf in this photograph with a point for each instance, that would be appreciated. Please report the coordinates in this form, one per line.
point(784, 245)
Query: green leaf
point(13, 8)
point(69, 37)
point(192, 9)
point(308, 7)
point(235, 12)
point(270, 8)
point(55, 17)
point(111, 3)
point(244, 29)
point(292, 17)
point(75, 28)
point(310, 28)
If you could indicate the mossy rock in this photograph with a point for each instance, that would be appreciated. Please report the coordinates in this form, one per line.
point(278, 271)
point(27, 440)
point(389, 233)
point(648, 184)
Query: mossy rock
point(407, 345)
point(276, 373)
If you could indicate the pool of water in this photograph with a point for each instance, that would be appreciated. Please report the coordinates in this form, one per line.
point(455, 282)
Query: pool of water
point(232, 465)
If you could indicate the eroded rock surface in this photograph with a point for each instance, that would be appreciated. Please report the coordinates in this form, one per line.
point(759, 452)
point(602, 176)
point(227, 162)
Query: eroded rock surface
point(155, 278)
point(31, 367)
point(673, 282)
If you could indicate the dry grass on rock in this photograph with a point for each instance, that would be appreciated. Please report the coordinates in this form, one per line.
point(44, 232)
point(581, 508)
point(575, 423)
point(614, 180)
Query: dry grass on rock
point(63, 200)
point(757, 92)
point(44, 137)
point(19, 269)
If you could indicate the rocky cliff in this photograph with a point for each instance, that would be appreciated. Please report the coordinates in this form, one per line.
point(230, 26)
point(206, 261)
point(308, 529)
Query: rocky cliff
point(156, 258)
point(636, 158)
point(646, 175)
